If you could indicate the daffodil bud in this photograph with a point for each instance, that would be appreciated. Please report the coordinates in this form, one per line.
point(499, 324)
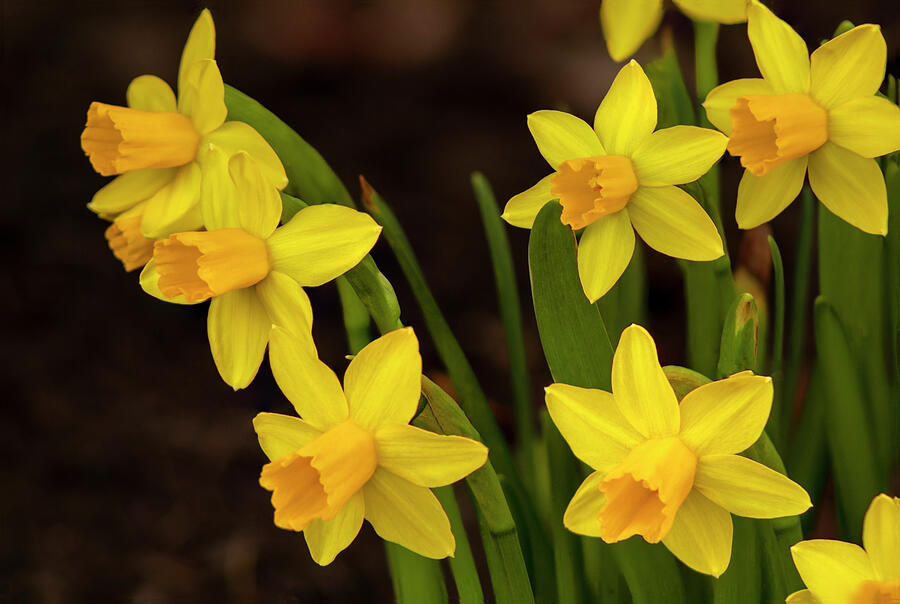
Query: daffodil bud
point(740, 337)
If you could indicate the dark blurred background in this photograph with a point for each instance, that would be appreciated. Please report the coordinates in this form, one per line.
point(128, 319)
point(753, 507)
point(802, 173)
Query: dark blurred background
point(129, 469)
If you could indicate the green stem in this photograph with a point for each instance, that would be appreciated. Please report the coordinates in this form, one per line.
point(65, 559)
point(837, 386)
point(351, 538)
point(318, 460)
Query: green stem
point(462, 564)
point(776, 426)
point(706, 35)
point(356, 316)
point(415, 579)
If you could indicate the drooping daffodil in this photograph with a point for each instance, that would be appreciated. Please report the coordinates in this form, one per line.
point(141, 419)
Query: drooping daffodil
point(668, 471)
point(835, 571)
point(352, 453)
point(620, 176)
point(157, 145)
point(817, 112)
point(629, 23)
point(253, 272)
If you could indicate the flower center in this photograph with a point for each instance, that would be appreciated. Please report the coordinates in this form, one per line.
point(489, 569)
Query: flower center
point(120, 139)
point(316, 480)
point(203, 264)
point(644, 492)
point(127, 243)
point(877, 592)
point(592, 187)
point(769, 130)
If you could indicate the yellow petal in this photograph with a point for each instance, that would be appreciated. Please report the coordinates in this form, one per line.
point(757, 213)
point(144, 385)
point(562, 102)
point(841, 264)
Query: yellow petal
point(851, 186)
point(604, 252)
point(726, 416)
point(719, 11)
point(150, 93)
point(781, 53)
point(129, 189)
point(427, 459)
point(589, 420)
point(175, 207)
point(327, 538)
point(627, 24)
point(322, 242)
point(307, 382)
point(627, 114)
point(701, 535)
point(200, 45)
point(832, 570)
point(672, 222)
point(804, 596)
point(881, 537)
point(747, 488)
point(409, 515)
point(218, 195)
point(233, 137)
point(722, 98)
point(640, 387)
point(238, 330)
point(203, 97)
point(259, 204)
point(149, 280)
point(286, 304)
point(582, 514)
point(561, 136)
point(762, 198)
point(522, 209)
point(677, 155)
point(868, 126)
point(282, 434)
point(383, 381)
point(848, 66)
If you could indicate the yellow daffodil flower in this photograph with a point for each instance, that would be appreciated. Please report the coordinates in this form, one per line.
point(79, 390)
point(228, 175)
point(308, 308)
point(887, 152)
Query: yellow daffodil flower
point(158, 144)
point(253, 272)
point(835, 571)
point(817, 112)
point(620, 177)
point(629, 23)
point(352, 453)
point(668, 471)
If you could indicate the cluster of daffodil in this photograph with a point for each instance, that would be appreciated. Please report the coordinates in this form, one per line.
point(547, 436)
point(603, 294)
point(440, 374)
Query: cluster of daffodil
point(208, 209)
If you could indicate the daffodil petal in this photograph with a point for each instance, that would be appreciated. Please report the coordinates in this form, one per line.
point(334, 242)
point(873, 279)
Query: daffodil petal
point(282, 434)
point(604, 252)
point(127, 190)
point(203, 97)
point(851, 186)
point(322, 242)
point(200, 45)
point(701, 535)
point(868, 126)
point(748, 488)
point(804, 596)
point(627, 24)
point(522, 209)
point(307, 382)
point(677, 155)
point(582, 513)
point(627, 114)
point(560, 136)
point(589, 420)
point(781, 54)
point(672, 222)
point(640, 387)
point(719, 11)
point(407, 514)
point(176, 206)
point(233, 137)
point(723, 97)
point(383, 381)
point(238, 328)
point(832, 570)
point(150, 93)
point(762, 198)
point(427, 459)
point(218, 195)
point(327, 538)
point(259, 204)
point(286, 304)
point(726, 416)
point(149, 280)
point(848, 66)
point(881, 536)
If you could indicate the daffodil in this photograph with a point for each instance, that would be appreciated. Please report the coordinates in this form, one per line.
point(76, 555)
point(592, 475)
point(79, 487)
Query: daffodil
point(352, 453)
point(629, 23)
point(158, 144)
point(668, 471)
point(809, 111)
point(620, 176)
point(253, 272)
point(835, 571)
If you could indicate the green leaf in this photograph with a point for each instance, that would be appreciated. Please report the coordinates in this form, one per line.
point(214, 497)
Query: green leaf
point(777, 425)
point(673, 101)
point(415, 579)
point(462, 564)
